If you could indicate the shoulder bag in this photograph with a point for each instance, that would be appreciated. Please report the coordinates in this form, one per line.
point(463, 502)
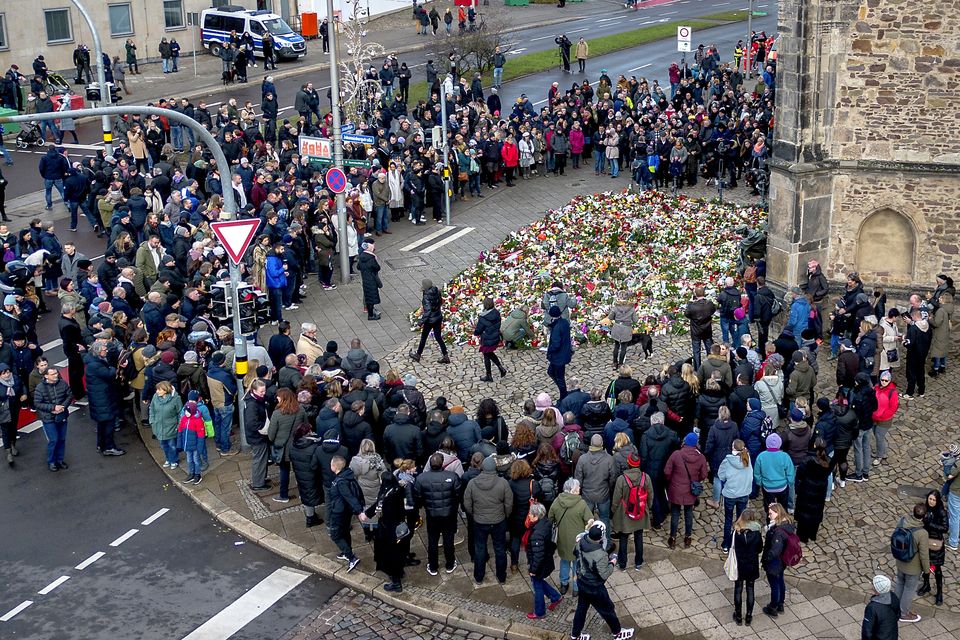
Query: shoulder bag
point(730, 564)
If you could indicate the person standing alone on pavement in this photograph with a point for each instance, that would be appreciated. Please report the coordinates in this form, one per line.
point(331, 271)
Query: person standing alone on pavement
point(583, 50)
point(559, 350)
point(595, 567)
point(913, 561)
point(700, 313)
point(431, 319)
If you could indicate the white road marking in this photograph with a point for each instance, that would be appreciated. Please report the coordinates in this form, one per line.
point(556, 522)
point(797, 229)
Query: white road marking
point(85, 147)
point(9, 615)
point(53, 344)
point(247, 607)
point(89, 561)
point(53, 585)
point(643, 66)
point(608, 19)
point(129, 534)
point(154, 517)
point(62, 363)
point(447, 240)
point(36, 425)
point(427, 238)
point(670, 13)
point(541, 38)
point(578, 30)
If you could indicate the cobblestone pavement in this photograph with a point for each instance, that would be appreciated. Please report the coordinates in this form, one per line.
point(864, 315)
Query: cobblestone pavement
point(359, 617)
point(677, 594)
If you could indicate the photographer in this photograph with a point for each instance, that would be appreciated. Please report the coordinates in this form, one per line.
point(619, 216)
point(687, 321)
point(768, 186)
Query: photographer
point(564, 43)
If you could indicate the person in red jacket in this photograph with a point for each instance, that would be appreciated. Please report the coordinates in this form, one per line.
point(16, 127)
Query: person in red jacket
point(684, 467)
point(888, 401)
point(511, 158)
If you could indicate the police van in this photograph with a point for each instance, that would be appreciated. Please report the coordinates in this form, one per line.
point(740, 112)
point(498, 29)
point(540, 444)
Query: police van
point(217, 24)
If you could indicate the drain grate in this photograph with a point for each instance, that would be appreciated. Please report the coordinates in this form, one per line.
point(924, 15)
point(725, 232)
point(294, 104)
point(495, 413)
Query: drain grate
point(406, 263)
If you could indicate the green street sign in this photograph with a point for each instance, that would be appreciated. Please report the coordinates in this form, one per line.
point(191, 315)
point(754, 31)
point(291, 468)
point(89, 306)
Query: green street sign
point(320, 162)
point(357, 163)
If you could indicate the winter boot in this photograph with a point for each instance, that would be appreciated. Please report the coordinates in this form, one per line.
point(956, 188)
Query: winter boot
point(9, 457)
point(925, 587)
point(672, 542)
point(938, 598)
point(737, 617)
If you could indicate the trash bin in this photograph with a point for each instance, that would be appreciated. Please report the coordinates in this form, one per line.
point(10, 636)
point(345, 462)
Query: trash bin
point(308, 25)
point(10, 127)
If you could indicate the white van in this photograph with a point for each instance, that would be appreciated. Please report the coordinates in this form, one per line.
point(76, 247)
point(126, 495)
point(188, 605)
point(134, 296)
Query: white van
point(217, 24)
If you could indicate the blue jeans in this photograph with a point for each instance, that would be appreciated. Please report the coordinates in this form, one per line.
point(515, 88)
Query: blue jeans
point(696, 343)
point(557, 373)
point(498, 532)
point(173, 64)
point(170, 450)
point(165, 63)
point(540, 588)
point(222, 421)
point(72, 207)
point(193, 462)
point(732, 508)
point(614, 167)
point(48, 186)
point(56, 433)
point(497, 76)
point(835, 344)
point(727, 328)
point(474, 183)
point(602, 509)
point(202, 451)
point(861, 453)
point(600, 161)
point(940, 363)
point(778, 588)
point(176, 133)
point(381, 217)
point(568, 568)
point(953, 511)
point(48, 125)
point(6, 154)
point(276, 303)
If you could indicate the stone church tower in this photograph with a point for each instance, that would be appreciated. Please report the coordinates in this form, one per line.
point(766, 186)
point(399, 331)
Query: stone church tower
point(866, 164)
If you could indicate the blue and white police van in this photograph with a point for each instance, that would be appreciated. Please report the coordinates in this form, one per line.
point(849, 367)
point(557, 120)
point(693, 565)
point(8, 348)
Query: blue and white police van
point(217, 24)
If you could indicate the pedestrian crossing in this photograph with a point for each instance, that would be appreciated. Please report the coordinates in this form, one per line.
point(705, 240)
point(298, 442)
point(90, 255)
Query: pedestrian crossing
point(439, 238)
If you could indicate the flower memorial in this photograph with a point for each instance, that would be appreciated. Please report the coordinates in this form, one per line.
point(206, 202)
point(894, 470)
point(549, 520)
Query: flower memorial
point(654, 246)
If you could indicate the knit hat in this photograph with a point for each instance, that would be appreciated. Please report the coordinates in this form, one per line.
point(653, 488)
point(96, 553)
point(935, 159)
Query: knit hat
point(489, 465)
point(596, 532)
point(823, 404)
point(657, 418)
point(488, 433)
point(881, 583)
point(9, 300)
point(754, 403)
point(167, 357)
point(332, 346)
point(738, 314)
point(555, 311)
point(691, 439)
point(303, 397)
point(190, 356)
point(633, 461)
point(149, 351)
point(218, 358)
point(846, 345)
point(103, 307)
point(773, 442)
point(426, 284)
point(622, 412)
point(797, 414)
point(193, 395)
point(596, 442)
point(543, 401)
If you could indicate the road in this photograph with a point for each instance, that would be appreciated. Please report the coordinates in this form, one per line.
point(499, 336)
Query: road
point(610, 18)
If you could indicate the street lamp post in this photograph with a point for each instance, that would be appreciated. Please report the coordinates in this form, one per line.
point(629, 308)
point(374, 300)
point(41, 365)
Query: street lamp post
point(105, 95)
point(447, 91)
point(338, 144)
point(749, 40)
point(229, 205)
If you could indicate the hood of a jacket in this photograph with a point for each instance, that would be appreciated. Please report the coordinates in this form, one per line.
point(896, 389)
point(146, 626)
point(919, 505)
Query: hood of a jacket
point(356, 357)
point(305, 442)
point(735, 461)
point(435, 428)
point(800, 428)
point(457, 419)
point(548, 432)
point(350, 419)
point(922, 325)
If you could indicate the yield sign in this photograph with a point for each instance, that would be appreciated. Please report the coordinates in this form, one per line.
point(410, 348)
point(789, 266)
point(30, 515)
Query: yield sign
point(236, 236)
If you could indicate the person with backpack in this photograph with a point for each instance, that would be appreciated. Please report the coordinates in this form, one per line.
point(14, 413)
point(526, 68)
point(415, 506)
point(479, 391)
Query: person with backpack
point(569, 514)
point(568, 443)
point(632, 495)
point(847, 431)
point(735, 476)
point(685, 472)
point(910, 547)
point(743, 563)
point(546, 471)
point(344, 500)
point(882, 616)
point(780, 550)
point(595, 567)
point(863, 401)
point(538, 540)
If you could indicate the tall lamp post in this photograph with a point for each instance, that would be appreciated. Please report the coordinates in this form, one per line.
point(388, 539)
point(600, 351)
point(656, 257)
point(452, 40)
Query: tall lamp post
point(229, 204)
point(101, 80)
point(338, 144)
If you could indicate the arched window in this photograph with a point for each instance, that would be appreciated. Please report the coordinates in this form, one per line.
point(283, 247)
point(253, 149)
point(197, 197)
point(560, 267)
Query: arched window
point(886, 246)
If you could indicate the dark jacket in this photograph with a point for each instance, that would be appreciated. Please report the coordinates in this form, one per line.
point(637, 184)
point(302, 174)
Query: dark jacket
point(720, 442)
point(656, 445)
point(254, 417)
point(488, 328)
point(438, 492)
point(676, 393)
point(279, 347)
point(345, 499)
point(53, 166)
point(540, 549)
point(523, 490)
point(306, 467)
point(595, 566)
point(327, 419)
point(560, 350)
point(594, 417)
point(700, 312)
point(369, 268)
point(431, 302)
point(101, 385)
point(881, 618)
point(353, 430)
point(465, 434)
point(747, 545)
point(47, 396)
point(773, 548)
point(401, 439)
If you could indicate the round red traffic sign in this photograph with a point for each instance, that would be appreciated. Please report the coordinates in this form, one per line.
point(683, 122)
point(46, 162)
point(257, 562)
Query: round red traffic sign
point(336, 180)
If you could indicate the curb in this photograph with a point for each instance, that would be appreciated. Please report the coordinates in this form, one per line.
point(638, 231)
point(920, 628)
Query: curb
point(442, 612)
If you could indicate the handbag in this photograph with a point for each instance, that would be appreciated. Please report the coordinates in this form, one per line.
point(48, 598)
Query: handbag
point(266, 426)
point(893, 355)
point(730, 564)
point(402, 531)
point(935, 545)
point(696, 487)
point(781, 410)
point(462, 176)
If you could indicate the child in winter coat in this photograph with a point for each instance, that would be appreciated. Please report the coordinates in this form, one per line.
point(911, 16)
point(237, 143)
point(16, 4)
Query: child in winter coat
point(190, 432)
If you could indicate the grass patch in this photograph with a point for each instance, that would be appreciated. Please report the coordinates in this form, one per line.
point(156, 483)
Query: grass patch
point(539, 61)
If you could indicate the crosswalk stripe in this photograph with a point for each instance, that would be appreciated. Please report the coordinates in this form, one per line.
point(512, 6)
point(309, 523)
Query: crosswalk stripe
point(447, 240)
point(427, 238)
point(247, 607)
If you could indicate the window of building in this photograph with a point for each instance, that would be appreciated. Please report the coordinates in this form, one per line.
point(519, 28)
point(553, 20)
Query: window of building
point(3, 31)
point(121, 20)
point(58, 25)
point(173, 14)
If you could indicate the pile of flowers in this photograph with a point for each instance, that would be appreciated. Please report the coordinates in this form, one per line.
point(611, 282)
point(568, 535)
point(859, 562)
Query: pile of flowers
point(653, 245)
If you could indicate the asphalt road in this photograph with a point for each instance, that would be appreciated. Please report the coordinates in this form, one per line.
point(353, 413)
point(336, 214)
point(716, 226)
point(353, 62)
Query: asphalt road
point(170, 577)
point(610, 18)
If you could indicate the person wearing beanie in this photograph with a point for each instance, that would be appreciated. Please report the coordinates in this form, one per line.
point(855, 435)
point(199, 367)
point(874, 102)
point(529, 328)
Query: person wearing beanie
point(464, 431)
point(848, 365)
point(487, 445)
point(191, 376)
point(369, 267)
point(223, 393)
point(191, 431)
point(559, 350)
point(803, 379)
point(595, 567)
point(796, 443)
point(685, 472)
point(596, 473)
point(630, 516)
point(774, 472)
point(431, 319)
point(489, 501)
point(753, 426)
point(882, 615)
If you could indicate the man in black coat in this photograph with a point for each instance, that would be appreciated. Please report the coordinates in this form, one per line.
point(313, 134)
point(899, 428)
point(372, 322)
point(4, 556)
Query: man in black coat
point(700, 313)
point(431, 319)
point(882, 615)
point(281, 345)
point(437, 491)
point(72, 336)
point(401, 439)
point(254, 417)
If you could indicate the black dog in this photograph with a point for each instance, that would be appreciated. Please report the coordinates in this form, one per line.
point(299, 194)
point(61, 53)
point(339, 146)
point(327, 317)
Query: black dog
point(645, 342)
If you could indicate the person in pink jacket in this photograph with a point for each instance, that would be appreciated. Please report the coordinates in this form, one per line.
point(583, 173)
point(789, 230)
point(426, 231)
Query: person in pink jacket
point(576, 144)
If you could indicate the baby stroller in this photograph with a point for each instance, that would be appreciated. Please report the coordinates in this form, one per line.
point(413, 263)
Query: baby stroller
point(29, 135)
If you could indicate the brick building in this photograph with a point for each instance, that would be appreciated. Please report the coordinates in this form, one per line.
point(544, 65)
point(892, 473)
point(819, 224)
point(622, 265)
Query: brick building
point(866, 167)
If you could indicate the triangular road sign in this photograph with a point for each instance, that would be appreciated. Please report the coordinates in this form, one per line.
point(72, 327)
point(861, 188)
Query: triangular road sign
point(236, 236)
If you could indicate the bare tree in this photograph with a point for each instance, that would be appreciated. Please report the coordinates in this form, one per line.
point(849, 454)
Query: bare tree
point(472, 51)
point(358, 93)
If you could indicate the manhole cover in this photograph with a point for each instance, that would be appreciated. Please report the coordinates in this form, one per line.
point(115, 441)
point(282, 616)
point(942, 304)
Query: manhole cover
point(406, 263)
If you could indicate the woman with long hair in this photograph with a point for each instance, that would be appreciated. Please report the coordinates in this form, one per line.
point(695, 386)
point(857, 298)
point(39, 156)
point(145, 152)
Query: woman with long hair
point(935, 523)
point(524, 489)
point(747, 545)
point(781, 525)
point(488, 415)
point(524, 442)
point(391, 544)
point(735, 475)
point(284, 420)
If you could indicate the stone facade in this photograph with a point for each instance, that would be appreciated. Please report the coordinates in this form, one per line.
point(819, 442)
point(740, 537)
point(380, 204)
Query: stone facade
point(866, 168)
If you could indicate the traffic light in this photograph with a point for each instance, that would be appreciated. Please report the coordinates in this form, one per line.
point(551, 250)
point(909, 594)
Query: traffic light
point(93, 93)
